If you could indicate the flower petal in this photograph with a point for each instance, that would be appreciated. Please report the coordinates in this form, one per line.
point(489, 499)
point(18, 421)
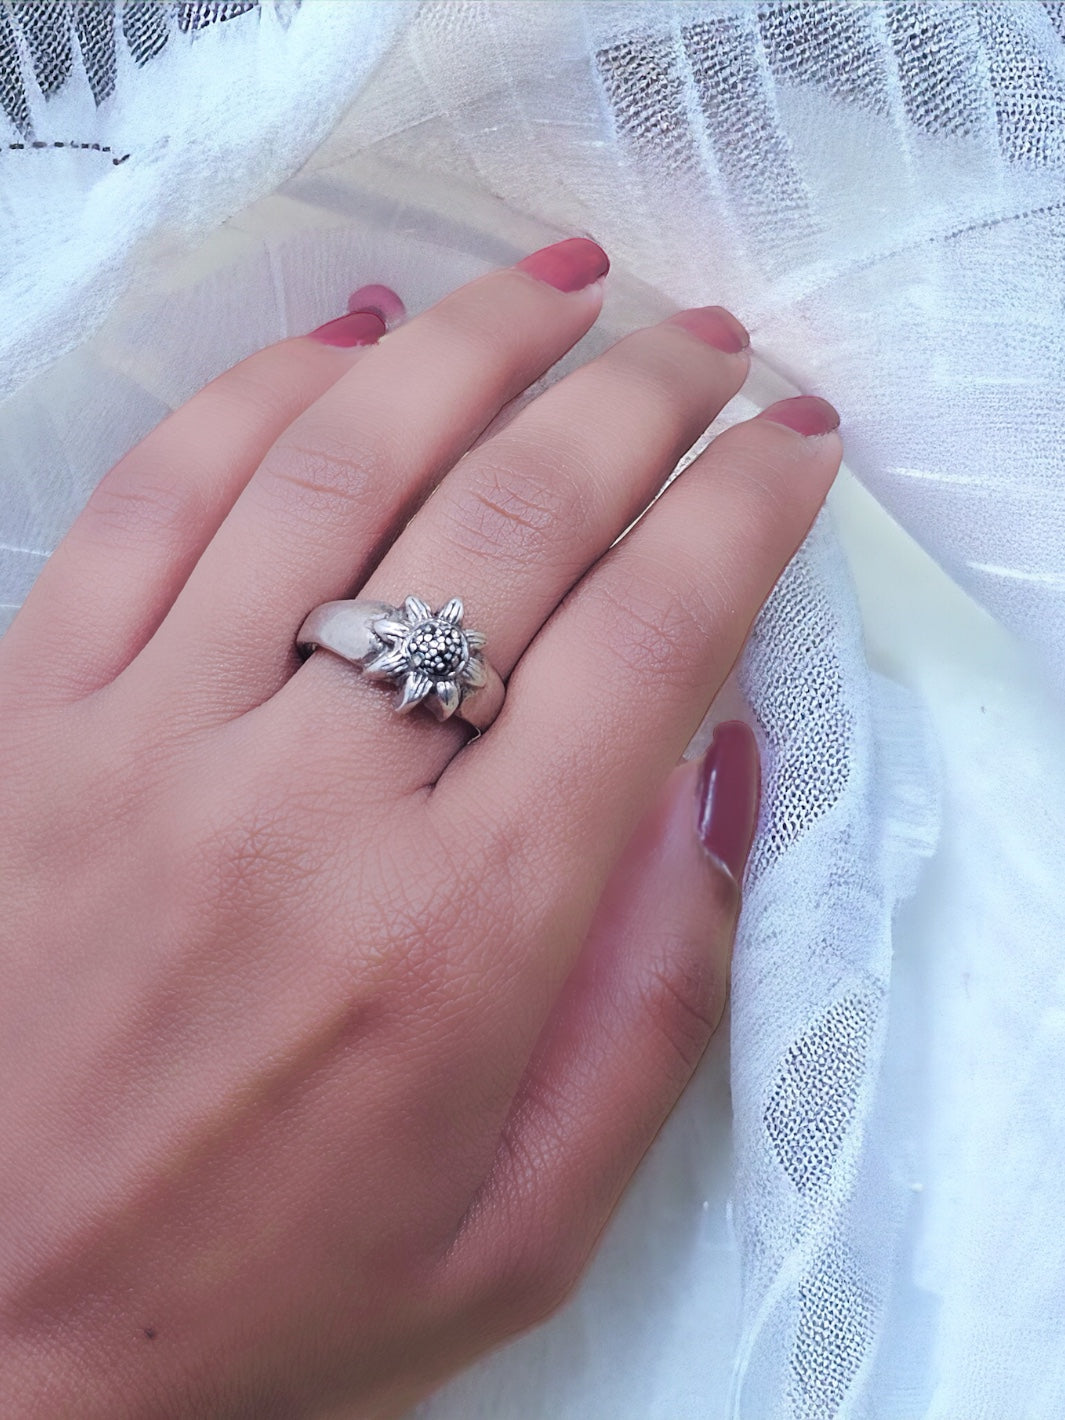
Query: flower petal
point(392, 662)
point(475, 639)
point(451, 611)
point(389, 628)
point(475, 673)
point(415, 688)
point(416, 610)
point(449, 695)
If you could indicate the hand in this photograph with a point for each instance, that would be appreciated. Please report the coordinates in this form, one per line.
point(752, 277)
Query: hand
point(329, 1037)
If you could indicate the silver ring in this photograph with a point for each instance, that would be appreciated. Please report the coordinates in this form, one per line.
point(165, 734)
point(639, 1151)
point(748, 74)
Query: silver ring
point(433, 659)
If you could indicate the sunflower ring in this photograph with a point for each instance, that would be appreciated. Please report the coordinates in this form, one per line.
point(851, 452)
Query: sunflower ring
point(430, 656)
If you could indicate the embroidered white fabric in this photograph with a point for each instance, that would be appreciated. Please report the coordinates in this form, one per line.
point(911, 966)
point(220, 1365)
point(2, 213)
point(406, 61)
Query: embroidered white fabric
point(871, 1228)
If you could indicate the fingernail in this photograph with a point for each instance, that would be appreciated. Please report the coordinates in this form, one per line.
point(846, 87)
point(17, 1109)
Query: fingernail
point(715, 326)
point(356, 328)
point(381, 301)
point(729, 788)
point(807, 414)
point(570, 265)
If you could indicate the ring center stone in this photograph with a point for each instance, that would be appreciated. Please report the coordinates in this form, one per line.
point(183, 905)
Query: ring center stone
point(437, 648)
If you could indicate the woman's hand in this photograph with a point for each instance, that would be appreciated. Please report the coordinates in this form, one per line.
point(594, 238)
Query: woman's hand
point(328, 1038)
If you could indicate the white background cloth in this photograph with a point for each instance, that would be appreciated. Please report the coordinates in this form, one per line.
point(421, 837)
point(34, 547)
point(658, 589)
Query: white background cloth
point(855, 1211)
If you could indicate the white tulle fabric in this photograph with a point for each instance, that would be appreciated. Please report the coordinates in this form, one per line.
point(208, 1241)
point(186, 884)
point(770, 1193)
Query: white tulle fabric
point(871, 1227)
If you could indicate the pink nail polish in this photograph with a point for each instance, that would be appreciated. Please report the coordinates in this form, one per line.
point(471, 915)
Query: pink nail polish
point(381, 301)
point(356, 328)
point(807, 414)
point(729, 789)
point(715, 326)
point(570, 265)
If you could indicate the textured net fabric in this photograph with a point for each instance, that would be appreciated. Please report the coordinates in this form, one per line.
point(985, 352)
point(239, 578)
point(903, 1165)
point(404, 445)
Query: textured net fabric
point(877, 190)
point(44, 42)
point(132, 129)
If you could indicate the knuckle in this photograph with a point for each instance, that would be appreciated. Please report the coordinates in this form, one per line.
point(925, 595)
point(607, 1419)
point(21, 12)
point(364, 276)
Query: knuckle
point(510, 869)
point(250, 391)
point(31, 783)
point(650, 380)
point(682, 995)
point(469, 911)
point(658, 623)
point(129, 504)
point(514, 511)
point(477, 333)
point(467, 324)
point(335, 469)
point(768, 498)
point(425, 931)
point(755, 464)
point(249, 851)
point(248, 857)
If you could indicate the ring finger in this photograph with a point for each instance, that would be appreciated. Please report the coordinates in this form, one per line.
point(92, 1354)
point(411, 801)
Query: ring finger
point(520, 519)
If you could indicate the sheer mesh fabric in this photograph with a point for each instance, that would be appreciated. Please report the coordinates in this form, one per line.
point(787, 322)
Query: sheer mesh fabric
point(878, 190)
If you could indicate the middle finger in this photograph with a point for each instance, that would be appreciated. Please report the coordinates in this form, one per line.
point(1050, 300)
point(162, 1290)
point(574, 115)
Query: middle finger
point(342, 479)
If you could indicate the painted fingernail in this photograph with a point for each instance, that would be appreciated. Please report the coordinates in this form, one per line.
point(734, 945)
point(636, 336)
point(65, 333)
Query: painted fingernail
point(356, 328)
point(381, 301)
point(715, 326)
point(729, 788)
point(570, 265)
point(807, 414)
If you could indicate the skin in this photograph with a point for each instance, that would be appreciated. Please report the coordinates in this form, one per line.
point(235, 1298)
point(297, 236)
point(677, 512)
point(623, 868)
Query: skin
point(329, 1038)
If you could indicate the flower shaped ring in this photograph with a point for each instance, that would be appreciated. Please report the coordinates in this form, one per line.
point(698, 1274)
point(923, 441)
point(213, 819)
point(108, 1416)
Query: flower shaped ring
point(430, 656)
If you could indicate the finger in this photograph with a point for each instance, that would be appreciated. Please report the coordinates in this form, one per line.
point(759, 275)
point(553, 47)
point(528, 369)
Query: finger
point(521, 518)
point(608, 695)
point(116, 573)
point(625, 1036)
point(344, 477)
point(381, 300)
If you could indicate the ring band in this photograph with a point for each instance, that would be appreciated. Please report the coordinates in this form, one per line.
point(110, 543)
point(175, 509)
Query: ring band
point(429, 655)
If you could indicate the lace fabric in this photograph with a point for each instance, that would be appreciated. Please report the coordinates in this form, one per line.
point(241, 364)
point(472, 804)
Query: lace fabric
point(876, 189)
